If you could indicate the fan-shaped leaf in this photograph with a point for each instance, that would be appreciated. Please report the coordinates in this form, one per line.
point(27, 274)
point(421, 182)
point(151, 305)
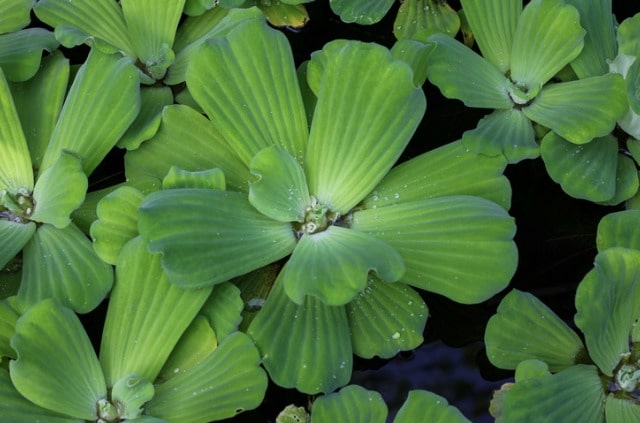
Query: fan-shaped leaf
point(15, 236)
point(363, 12)
point(621, 410)
point(416, 55)
point(223, 309)
point(424, 406)
point(21, 52)
point(352, 403)
point(152, 102)
point(619, 229)
point(626, 181)
point(627, 36)
point(417, 19)
point(14, 14)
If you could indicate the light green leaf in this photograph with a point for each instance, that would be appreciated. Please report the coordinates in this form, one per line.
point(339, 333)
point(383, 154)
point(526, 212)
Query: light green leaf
point(554, 397)
point(307, 347)
point(130, 393)
point(92, 120)
point(61, 264)
point(628, 36)
point(208, 179)
point(129, 333)
point(39, 100)
point(548, 338)
point(582, 110)
point(385, 319)
point(21, 52)
point(14, 235)
point(56, 368)
point(98, 20)
point(424, 406)
point(508, 132)
point(280, 190)
point(417, 19)
point(209, 236)
point(531, 368)
point(17, 409)
point(415, 54)
point(153, 100)
point(223, 309)
point(59, 190)
point(619, 229)
point(352, 404)
point(632, 85)
point(449, 64)
point(363, 12)
point(334, 265)
point(152, 26)
point(9, 314)
point(586, 171)
point(458, 246)
point(281, 14)
point(494, 24)
point(608, 304)
point(247, 85)
point(201, 147)
point(198, 7)
point(626, 181)
point(15, 171)
point(447, 170)
point(14, 14)
point(547, 38)
point(229, 381)
point(621, 410)
point(117, 222)
point(293, 414)
point(353, 144)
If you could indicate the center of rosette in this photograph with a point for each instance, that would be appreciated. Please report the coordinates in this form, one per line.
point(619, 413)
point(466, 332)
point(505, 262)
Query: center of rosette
point(317, 218)
point(16, 207)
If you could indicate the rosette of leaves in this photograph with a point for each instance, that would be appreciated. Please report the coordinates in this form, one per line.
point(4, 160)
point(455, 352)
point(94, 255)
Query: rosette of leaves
point(311, 185)
point(191, 366)
point(553, 366)
point(355, 404)
point(48, 146)
point(523, 49)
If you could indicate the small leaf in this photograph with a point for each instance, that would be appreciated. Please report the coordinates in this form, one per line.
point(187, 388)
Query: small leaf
point(363, 12)
point(153, 101)
point(280, 191)
point(628, 36)
point(198, 7)
point(21, 52)
point(223, 309)
point(14, 15)
point(15, 236)
point(282, 14)
point(417, 19)
point(59, 190)
point(130, 393)
point(428, 407)
point(334, 265)
point(307, 347)
point(56, 368)
point(619, 229)
point(415, 54)
point(352, 403)
point(206, 179)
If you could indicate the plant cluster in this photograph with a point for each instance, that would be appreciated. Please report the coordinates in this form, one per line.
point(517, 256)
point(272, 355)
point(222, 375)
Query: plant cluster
point(268, 228)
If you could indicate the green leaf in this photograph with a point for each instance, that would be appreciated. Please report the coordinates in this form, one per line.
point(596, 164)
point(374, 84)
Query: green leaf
point(152, 26)
point(15, 171)
point(92, 121)
point(198, 7)
point(415, 54)
point(247, 85)
point(9, 314)
point(129, 333)
point(14, 14)
point(494, 24)
point(582, 110)
point(21, 52)
point(201, 147)
point(59, 190)
point(386, 318)
point(61, 264)
point(417, 19)
point(334, 265)
point(281, 14)
point(223, 309)
point(56, 368)
point(39, 100)
point(586, 171)
point(307, 347)
point(458, 246)
point(229, 381)
point(449, 64)
point(608, 304)
point(207, 179)
point(94, 20)
point(554, 397)
point(626, 181)
point(353, 144)
point(130, 393)
point(15, 236)
point(531, 368)
point(547, 38)
point(209, 236)
point(627, 36)
point(447, 170)
point(621, 410)
point(508, 132)
point(280, 190)
point(619, 229)
point(117, 222)
point(424, 406)
point(632, 85)
point(153, 101)
point(548, 338)
point(352, 403)
point(363, 12)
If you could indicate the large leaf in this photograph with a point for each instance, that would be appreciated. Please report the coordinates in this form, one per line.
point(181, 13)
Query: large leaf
point(56, 368)
point(209, 236)
point(385, 319)
point(424, 406)
point(229, 381)
point(247, 85)
point(619, 229)
point(548, 338)
point(352, 404)
point(14, 235)
point(458, 246)
point(15, 171)
point(21, 52)
point(61, 264)
point(14, 14)
point(354, 143)
point(102, 102)
point(307, 347)
point(449, 64)
point(493, 24)
point(547, 38)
